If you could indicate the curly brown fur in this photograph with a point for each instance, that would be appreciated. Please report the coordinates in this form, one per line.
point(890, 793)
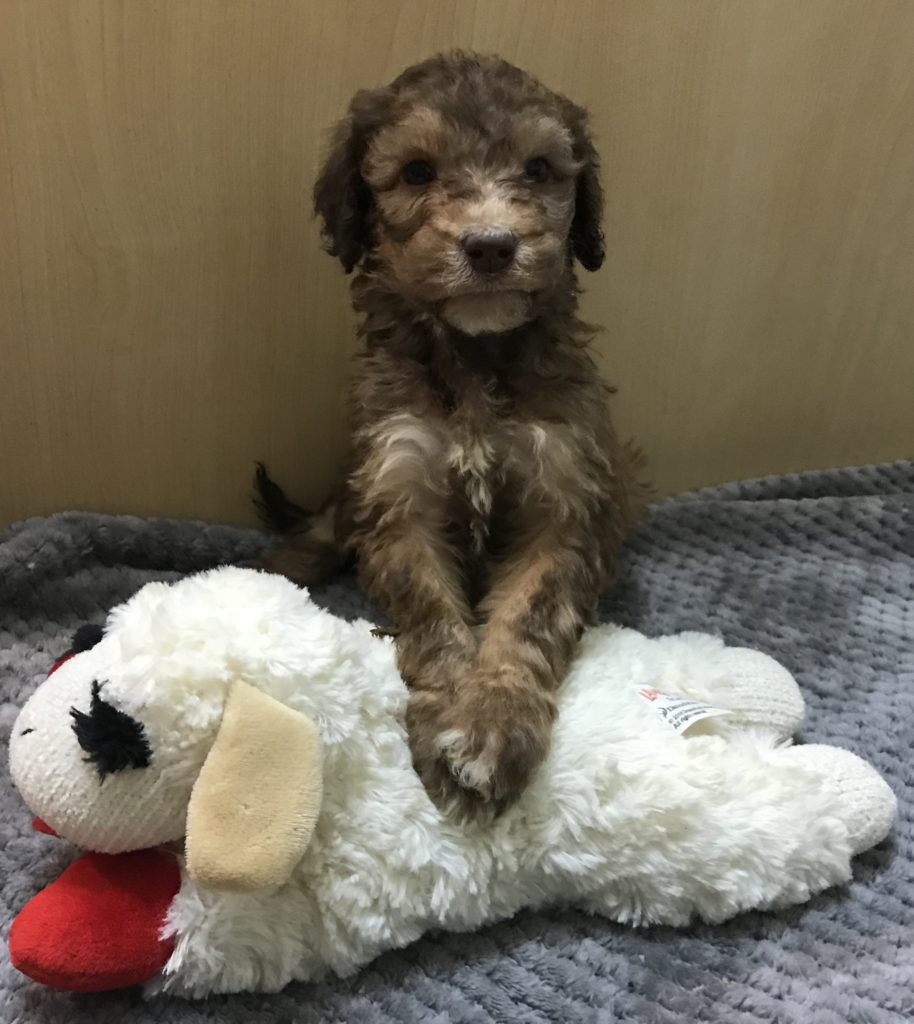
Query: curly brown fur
point(488, 494)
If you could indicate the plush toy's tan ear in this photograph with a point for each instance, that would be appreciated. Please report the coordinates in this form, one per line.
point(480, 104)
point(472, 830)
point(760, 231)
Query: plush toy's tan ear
point(255, 803)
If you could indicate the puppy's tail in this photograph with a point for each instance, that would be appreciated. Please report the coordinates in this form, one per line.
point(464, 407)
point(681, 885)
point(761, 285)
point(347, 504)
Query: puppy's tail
point(307, 552)
point(277, 512)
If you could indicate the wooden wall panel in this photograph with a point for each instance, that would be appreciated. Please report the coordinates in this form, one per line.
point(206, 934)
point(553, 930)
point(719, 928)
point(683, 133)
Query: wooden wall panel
point(166, 316)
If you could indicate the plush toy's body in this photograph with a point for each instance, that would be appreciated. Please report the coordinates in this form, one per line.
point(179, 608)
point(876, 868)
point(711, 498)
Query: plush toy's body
point(626, 818)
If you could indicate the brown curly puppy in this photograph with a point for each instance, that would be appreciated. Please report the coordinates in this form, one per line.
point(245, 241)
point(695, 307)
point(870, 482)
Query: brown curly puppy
point(488, 494)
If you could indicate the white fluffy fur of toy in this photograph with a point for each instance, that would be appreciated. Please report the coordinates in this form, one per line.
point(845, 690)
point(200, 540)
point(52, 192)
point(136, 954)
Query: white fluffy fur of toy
point(626, 818)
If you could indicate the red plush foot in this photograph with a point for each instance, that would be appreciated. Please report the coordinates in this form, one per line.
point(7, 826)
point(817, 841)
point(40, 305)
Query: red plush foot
point(97, 927)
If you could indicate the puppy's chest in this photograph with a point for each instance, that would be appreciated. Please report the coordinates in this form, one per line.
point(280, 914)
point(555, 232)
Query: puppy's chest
point(489, 469)
point(476, 470)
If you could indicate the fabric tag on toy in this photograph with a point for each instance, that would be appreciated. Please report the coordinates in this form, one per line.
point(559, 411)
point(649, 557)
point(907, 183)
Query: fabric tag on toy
point(679, 712)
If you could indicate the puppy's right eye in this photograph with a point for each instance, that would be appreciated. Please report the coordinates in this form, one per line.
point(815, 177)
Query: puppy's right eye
point(537, 169)
point(418, 172)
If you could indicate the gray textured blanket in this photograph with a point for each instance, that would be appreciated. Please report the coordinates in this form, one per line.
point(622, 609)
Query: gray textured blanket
point(817, 570)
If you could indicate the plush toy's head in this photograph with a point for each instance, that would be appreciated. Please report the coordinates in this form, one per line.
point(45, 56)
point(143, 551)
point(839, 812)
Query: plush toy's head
point(171, 725)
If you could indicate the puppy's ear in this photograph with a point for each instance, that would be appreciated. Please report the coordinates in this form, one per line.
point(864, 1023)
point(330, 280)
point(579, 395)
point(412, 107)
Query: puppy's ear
point(342, 200)
point(586, 235)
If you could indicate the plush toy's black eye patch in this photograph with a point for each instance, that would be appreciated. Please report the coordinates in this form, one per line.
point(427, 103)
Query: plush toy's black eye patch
point(112, 740)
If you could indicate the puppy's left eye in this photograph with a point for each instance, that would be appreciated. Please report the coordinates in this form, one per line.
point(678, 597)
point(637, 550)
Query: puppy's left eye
point(418, 172)
point(112, 740)
point(537, 169)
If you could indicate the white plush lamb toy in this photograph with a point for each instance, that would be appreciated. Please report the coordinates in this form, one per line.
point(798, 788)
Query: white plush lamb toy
point(252, 746)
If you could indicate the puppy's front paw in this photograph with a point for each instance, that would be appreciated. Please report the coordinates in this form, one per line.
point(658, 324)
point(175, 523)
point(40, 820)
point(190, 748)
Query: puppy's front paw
point(476, 754)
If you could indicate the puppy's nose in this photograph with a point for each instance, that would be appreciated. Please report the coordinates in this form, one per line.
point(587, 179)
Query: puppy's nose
point(489, 251)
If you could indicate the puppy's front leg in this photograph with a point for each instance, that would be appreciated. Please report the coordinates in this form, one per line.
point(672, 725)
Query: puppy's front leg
point(398, 517)
point(501, 723)
point(417, 581)
point(413, 576)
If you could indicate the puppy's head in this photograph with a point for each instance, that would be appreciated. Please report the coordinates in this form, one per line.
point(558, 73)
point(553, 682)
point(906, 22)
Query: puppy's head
point(469, 185)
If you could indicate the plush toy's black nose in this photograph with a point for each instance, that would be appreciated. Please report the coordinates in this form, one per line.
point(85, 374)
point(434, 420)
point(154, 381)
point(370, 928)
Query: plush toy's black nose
point(490, 252)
